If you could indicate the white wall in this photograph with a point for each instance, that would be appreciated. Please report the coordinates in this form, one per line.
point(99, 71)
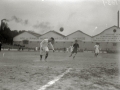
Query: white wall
point(52, 34)
point(108, 35)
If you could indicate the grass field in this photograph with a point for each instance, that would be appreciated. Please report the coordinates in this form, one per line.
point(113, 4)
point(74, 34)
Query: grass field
point(24, 71)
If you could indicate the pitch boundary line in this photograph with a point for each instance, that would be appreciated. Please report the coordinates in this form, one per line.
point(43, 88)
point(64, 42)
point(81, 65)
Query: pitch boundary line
point(50, 83)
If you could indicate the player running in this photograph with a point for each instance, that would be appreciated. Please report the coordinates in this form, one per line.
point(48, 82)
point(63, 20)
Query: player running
point(96, 49)
point(44, 47)
point(75, 49)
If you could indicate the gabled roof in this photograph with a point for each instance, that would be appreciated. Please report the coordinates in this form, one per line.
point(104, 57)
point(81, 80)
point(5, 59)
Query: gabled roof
point(19, 34)
point(54, 32)
point(105, 30)
point(35, 34)
point(32, 33)
point(78, 31)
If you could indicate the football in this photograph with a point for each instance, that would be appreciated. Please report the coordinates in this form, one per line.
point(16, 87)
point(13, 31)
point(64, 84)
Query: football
point(61, 29)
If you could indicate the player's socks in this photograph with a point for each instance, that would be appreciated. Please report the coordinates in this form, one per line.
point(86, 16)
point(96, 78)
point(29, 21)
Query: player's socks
point(95, 54)
point(46, 56)
point(73, 57)
point(70, 55)
point(40, 57)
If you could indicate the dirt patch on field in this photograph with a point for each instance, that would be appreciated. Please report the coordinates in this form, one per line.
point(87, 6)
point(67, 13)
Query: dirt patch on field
point(94, 78)
point(26, 77)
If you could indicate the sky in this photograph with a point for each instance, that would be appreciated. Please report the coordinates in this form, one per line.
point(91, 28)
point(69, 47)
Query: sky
point(40, 16)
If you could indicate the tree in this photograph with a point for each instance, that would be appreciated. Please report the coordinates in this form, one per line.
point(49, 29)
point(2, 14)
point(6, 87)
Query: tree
point(5, 32)
point(6, 35)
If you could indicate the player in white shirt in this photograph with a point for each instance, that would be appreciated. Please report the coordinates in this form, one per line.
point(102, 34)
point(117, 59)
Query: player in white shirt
point(71, 48)
point(97, 47)
point(44, 47)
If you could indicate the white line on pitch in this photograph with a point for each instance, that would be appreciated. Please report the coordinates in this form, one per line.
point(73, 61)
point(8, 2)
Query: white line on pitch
point(54, 80)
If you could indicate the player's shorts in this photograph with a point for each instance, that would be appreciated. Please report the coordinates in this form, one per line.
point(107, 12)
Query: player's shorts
point(74, 51)
point(96, 51)
point(43, 50)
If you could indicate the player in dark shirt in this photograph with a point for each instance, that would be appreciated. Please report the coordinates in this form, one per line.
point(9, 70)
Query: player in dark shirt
point(75, 49)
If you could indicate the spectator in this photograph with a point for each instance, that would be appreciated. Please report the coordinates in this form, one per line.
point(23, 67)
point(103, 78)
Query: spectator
point(0, 46)
point(19, 48)
point(64, 49)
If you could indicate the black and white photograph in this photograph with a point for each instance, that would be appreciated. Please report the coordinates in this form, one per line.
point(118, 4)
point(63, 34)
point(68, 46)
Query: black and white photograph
point(59, 45)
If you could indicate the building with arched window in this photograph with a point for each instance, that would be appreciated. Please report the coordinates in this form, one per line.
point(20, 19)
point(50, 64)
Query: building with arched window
point(27, 39)
point(109, 39)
